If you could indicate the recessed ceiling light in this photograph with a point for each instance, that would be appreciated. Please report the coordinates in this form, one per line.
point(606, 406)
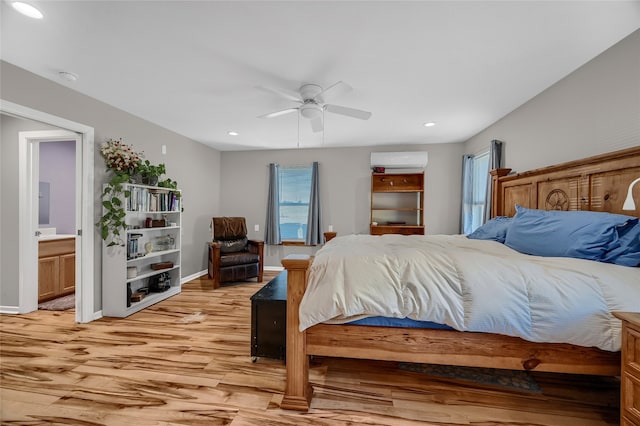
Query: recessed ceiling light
point(27, 10)
point(69, 76)
point(429, 124)
point(232, 133)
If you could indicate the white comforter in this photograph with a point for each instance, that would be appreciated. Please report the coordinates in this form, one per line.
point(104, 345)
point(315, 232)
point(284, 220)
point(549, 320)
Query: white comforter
point(470, 285)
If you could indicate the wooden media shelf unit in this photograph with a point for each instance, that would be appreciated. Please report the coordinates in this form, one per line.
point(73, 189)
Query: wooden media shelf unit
point(397, 203)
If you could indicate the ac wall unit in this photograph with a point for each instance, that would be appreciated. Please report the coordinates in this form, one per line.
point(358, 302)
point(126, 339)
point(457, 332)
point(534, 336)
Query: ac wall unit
point(399, 160)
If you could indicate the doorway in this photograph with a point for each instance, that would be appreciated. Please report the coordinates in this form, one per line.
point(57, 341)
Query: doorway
point(28, 212)
point(54, 171)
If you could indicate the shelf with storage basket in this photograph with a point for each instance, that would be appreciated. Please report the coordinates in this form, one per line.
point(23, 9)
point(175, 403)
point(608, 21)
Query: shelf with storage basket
point(145, 268)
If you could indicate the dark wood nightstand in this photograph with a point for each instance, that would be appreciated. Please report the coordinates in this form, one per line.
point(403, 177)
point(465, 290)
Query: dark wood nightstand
point(328, 236)
point(630, 375)
point(269, 319)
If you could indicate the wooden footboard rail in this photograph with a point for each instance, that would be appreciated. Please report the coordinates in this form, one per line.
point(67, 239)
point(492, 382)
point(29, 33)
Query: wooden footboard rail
point(418, 345)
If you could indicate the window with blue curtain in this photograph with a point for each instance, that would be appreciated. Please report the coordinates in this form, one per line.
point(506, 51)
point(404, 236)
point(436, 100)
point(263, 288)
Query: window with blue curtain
point(475, 192)
point(479, 191)
point(294, 192)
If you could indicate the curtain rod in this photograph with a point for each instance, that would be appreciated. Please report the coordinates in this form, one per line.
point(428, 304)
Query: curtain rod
point(295, 165)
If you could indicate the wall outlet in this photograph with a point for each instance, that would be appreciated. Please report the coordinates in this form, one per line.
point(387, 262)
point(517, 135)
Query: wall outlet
point(164, 149)
point(256, 228)
point(330, 228)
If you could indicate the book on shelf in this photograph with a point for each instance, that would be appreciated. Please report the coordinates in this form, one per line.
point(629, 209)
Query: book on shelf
point(132, 246)
point(144, 199)
point(153, 204)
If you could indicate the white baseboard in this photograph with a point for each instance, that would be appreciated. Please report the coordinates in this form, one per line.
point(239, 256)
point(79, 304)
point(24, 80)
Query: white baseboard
point(16, 310)
point(205, 272)
point(9, 309)
point(274, 268)
point(193, 276)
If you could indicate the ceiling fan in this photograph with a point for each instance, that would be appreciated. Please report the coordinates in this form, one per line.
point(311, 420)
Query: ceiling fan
point(311, 98)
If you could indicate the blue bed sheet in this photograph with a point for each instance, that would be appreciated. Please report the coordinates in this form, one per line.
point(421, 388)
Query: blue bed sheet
point(399, 322)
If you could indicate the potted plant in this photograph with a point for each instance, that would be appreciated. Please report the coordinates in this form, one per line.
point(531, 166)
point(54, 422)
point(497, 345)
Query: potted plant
point(150, 173)
point(122, 161)
point(168, 183)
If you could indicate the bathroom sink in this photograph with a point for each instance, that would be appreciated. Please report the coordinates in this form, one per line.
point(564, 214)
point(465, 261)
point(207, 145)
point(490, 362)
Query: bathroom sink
point(47, 231)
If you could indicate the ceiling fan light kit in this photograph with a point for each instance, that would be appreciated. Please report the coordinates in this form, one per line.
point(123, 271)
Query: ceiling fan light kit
point(311, 98)
point(310, 110)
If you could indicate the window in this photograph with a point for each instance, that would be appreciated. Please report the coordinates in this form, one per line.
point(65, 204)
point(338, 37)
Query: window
point(480, 178)
point(294, 192)
point(474, 190)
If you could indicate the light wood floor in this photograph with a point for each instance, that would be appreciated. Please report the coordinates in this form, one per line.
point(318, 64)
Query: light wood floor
point(186, 361)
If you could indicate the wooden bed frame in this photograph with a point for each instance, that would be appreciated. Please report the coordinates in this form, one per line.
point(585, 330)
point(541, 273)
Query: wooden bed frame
point(597, 183)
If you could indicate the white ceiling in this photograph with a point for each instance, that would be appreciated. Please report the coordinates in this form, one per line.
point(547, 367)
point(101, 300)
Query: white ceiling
point(195, 67)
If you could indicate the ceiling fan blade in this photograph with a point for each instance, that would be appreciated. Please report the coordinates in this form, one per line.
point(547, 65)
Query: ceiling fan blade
point(351, 112)
point(278, 113)
point(333, 91)
point(285, 93)
point(316, 124)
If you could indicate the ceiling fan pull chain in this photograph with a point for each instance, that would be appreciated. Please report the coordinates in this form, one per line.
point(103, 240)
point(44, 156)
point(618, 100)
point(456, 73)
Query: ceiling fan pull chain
point(298, 129)
point(323, 127)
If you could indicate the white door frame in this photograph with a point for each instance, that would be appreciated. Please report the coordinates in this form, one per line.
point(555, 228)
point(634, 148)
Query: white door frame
point(28, 294)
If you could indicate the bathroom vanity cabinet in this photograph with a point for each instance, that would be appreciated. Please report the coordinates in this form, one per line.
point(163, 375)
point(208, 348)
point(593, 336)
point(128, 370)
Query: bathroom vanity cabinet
point(56, 268)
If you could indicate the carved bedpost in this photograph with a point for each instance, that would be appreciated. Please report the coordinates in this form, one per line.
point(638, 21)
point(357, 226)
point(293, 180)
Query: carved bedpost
point(297, 394)
point(497, 206)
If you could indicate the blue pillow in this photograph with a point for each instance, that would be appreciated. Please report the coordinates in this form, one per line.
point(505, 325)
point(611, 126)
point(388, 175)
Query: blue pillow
point(494, 230)
point(627, 249)
point(579, 234)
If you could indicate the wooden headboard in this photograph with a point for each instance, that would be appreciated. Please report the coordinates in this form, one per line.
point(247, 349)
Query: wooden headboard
point(597, 183)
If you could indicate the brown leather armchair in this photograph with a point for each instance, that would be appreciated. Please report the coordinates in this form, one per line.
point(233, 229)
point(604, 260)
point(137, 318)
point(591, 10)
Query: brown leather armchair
point(232, 256)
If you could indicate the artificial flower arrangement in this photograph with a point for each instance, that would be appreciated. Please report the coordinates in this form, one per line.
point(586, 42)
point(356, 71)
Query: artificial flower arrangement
point(120, 157)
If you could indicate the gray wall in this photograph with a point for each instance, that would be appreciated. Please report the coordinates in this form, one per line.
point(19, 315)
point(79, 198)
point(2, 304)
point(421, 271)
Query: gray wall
point(595, 109)
point(58, 168)
point(345, 185)
point(10, 126)
point(194, 166)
